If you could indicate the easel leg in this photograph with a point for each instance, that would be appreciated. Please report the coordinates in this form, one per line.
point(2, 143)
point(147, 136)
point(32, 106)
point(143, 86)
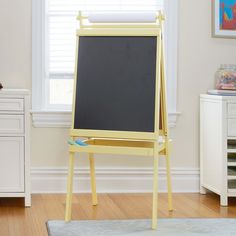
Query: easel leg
point(93, 179)
point(155, 196)
point(169, 186)
point(69, 187)
point(168, 175)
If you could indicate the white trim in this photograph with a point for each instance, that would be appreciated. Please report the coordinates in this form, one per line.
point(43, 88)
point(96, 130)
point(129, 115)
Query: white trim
point(37, 53)
point(171, 39)
point(113, 180)
point(62, 119)
point(47, 119)
point(172, 118)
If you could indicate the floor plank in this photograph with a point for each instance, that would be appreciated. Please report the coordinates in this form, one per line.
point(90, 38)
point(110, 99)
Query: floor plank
point(15, 220)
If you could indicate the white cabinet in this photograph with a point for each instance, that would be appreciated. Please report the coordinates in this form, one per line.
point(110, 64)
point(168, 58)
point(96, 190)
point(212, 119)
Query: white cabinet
point(15, 144)
point(218, 145)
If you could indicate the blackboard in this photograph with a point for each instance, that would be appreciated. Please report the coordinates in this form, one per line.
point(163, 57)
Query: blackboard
point(115, 83)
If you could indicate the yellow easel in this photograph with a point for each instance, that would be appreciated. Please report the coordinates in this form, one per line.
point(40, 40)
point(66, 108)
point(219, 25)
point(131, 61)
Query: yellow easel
point(124, 142)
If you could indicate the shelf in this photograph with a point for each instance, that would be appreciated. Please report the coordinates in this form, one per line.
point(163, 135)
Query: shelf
point(231, 161)
point(231, 173)
point(231, 150)
point(122, 147)
point(231, 142)
point(231, 177)
point(232, 186)
point(231, 146)
point(231, 138)
point(231, 193)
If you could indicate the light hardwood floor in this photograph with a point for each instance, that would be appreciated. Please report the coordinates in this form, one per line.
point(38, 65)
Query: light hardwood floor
point(15, 220)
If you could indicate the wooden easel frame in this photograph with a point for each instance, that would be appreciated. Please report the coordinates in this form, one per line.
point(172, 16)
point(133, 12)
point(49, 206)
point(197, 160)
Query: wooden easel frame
point(124, 142)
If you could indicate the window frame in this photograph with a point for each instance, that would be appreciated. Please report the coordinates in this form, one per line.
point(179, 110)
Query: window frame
point(60, 116)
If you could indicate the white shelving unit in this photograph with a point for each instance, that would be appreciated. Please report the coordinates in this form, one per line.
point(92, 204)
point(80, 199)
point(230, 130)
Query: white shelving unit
point(218, 146)
point(15, 144)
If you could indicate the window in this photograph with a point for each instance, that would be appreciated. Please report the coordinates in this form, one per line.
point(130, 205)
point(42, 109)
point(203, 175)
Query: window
point(53, 35)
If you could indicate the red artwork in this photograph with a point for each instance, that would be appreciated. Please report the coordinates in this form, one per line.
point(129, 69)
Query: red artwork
point(228, 20)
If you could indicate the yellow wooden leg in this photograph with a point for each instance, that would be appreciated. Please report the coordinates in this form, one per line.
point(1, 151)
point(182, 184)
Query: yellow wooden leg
point(93, 179)
point(69, 187)
point(169, 186)
point(155, 194)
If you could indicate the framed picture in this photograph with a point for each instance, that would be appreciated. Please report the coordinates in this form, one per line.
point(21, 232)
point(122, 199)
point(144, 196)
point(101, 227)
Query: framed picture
point(224, 18)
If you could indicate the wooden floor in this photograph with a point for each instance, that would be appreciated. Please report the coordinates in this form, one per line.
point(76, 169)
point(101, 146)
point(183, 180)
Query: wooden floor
point(15, 220)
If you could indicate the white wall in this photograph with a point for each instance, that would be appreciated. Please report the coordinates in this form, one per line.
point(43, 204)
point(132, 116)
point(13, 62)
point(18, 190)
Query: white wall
point(15, 43)
point(199, 57)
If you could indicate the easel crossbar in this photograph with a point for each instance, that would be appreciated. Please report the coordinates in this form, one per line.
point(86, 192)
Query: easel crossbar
point(119, 147)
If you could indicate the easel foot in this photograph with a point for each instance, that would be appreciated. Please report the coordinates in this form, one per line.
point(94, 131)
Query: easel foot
point(154, 224)
point(67, 218)
point(170, 207)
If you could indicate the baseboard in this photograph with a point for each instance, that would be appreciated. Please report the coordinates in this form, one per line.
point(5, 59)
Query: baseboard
point(113, 180)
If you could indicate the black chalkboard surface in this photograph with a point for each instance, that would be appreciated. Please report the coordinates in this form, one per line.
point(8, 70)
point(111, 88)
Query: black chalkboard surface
point(115, 87)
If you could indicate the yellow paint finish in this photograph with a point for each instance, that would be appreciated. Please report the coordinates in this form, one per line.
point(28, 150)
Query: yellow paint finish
point(113, 134)
point(106, 149)
point(124, 142)
point(93, 179)
point(69, 187)
point(118, 32)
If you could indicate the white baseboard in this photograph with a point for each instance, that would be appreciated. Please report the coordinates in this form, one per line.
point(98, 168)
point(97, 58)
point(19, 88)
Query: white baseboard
point(113, 180)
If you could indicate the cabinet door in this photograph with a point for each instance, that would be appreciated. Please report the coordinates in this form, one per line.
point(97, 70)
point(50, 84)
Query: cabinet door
point(11, 164)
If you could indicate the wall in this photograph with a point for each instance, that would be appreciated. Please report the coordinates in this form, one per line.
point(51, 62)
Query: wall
point(15, 43)
point(199, 57)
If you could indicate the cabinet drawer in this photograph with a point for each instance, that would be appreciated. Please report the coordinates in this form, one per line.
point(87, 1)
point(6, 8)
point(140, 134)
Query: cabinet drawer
point(11, 124)
point(231, 109)
point(231, 127)
point(11, 104)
